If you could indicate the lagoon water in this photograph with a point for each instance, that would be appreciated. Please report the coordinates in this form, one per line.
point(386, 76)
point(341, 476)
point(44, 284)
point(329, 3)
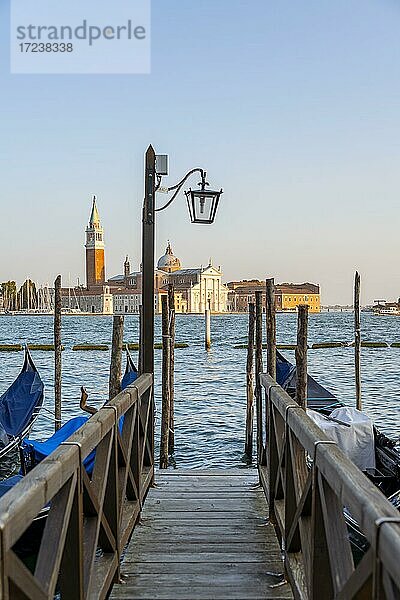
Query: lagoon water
point(210, 396)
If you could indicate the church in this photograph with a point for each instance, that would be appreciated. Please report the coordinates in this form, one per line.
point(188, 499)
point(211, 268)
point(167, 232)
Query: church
point(195, 289)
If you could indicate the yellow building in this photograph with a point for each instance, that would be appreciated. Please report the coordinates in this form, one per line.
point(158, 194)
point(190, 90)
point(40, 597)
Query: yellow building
point(289, 296)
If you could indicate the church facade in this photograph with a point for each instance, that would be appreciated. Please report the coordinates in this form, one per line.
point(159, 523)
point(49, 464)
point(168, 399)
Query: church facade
point(195, 289)
point(200, 288)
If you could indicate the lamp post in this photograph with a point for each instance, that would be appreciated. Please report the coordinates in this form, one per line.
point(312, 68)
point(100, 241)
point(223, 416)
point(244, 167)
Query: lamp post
point(202, 205)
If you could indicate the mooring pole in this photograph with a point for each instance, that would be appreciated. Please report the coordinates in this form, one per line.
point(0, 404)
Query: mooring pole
point(207, 314)
point(140, 341)
point(259, 369)
point(57, 353)
point(171, 301)
point(248, 445)
point(116, 356)
point(301, 356)
point(166, 366)
point(357, 339)
point(271, 327)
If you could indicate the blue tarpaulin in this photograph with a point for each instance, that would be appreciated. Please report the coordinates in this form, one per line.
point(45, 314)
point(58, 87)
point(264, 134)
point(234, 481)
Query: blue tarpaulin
point(19, 402)
point(42, 449)
point(7, 484)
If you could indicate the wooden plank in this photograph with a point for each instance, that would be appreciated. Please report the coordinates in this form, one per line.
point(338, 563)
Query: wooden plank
point(193, 473)
point(200, 547)
point(191, 515)
point(203, 593)
point(204, 557)
point(262, 578)
point(210, 568)
point(205, 504)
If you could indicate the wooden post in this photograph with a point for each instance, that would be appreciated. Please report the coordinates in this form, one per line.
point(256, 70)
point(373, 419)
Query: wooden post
point(57, 353)
point(248, 446)
point(357, 339)
point(171, 298)
point(116, 356)
point(271, 327)
point(301, 356)
point(208, 326)
point(166, 365)
point(140, 341)
point(259, 369)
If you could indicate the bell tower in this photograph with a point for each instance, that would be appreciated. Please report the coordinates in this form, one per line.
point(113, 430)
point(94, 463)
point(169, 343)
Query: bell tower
point(95, 262)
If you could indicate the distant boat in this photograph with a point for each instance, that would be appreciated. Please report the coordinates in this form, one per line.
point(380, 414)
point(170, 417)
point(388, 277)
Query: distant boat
point(20, 406)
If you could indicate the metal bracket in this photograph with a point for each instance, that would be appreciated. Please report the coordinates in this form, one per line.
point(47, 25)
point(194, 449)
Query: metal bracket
point(287, 409)
point(291, 406)
point(79, 446)
point(113, 408)
point(268, 390)
point(319, 443)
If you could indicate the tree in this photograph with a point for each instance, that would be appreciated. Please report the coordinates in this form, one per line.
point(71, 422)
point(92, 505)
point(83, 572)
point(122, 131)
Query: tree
point(9, 293)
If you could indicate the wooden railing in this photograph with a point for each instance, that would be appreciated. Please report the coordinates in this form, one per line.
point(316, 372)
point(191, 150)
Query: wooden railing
point(308, 481)
point(78, 522)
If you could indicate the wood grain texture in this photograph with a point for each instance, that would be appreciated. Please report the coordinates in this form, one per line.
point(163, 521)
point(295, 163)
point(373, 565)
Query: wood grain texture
point(203, 535)
point(57, 353)
point(116, 356)
point(248, 447)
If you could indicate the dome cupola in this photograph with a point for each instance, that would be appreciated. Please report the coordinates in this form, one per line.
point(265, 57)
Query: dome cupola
point(168, 262)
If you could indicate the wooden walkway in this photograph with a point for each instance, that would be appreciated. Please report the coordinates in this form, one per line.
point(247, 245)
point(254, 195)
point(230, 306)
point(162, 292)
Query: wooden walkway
point(203, 535)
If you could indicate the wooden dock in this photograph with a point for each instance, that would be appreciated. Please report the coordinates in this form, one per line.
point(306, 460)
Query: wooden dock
point(203, 534)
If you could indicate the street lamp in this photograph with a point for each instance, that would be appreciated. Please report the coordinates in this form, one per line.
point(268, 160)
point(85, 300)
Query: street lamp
point(202, 205)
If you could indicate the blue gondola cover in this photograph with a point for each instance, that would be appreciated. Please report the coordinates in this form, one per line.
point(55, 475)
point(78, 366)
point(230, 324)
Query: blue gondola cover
point(43, 449)
point(22, 398)
point(130, 372)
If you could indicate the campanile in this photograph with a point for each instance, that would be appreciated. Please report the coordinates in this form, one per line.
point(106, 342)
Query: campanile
point(95, 262)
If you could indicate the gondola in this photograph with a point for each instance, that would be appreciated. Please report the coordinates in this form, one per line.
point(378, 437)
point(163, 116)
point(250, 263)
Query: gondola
point(33, 452)
point(386, 471)
point(19, 407)
point(131, 372)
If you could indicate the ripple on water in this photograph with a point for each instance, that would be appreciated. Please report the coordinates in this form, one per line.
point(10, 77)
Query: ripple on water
point(210, 395)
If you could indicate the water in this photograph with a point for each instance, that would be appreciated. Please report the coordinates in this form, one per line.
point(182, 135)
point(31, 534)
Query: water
point(210, 396)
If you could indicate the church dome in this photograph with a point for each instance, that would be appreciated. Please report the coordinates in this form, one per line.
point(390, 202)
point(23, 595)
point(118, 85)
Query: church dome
point(168, 262)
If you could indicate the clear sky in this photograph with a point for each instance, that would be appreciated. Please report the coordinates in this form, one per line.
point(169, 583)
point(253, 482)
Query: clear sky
point(292, 106)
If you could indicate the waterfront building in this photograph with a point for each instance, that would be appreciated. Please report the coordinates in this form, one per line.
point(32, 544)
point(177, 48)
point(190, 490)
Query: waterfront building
point(195, 289)
point(386, 308)
point(200, 288)
point(288, 296)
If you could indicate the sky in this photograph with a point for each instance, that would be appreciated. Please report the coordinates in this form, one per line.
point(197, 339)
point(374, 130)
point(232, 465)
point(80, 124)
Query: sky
point(292, 106)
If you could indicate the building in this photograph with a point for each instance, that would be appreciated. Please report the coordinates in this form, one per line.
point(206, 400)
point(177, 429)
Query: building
point(288, 296)
point(195, 289)
point(96, 297)
point(199, 288)
point(386, 308)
